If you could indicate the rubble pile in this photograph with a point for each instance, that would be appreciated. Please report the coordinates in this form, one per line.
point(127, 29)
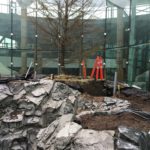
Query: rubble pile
point(106, 106)
point(112, 105)
point(44, 115)
point(64, 134)
point(25, 107)
point(130, 138)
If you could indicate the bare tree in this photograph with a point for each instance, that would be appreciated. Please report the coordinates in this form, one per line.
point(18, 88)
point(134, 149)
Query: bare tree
point(65, 25)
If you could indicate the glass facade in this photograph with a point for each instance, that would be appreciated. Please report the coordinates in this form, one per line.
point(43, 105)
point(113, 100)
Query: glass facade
point(119, 32)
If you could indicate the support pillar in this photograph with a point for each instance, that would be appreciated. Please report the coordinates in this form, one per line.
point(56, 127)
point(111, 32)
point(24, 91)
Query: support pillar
point(120, 43)
point(23, 40)
point(131, 56)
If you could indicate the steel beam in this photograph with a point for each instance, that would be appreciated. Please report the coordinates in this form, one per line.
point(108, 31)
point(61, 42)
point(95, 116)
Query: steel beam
point(131, 56)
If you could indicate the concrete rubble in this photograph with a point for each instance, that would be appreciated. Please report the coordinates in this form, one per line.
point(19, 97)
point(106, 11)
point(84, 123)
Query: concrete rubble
point(27, 106)
point(112, 105)
point(107, 106)
point(40, 115)
point(132, 139)
point(94, 140)
point(71, 136)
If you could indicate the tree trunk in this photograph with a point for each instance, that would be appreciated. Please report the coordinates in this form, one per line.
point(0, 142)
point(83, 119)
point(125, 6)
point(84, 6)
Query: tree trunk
point(62, 58)
point(64, 39)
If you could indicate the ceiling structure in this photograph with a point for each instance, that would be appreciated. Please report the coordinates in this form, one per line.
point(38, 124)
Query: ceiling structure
point(123, 3)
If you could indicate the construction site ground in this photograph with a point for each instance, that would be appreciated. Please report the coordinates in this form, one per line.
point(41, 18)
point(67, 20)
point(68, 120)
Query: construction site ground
point(111, 122)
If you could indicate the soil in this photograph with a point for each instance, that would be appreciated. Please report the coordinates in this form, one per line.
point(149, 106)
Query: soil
point(95, 91)
point(90, 86)
point(111, 122)
point(137, 102)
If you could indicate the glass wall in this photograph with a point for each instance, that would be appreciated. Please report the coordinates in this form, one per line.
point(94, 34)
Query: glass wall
point(128, 41)
point(119, 33)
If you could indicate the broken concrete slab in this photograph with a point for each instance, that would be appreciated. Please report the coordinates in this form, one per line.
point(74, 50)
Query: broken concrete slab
point(3, 96)
point(31, 84)
point(66, 134)
point(38, 92)
point(46, 137)
point(52, 105)
point(70, 129)
point(132, 139)
point(39, 113)
point(23, 104)
point(113, 105)
point(47, 84)
point(129, 134)
point(54, 109)
point(95, 140)
point(14, 116)
point(84, 104)
point(124, 145)
point(19, 95)
point(83, 113)
point(12, 119)
point(30, 109)
point(61, 91)
point(65, 119)
point(6, 142)
point(42, 88)
point(45, 134)
point(16, 86)
point(72, 98)
point(5, 89)
point(66, 108)
point(61, 133)
point(109, 105)
point(144, 141)
point(35, 100)
point(33, 120)
point(109, 101)
point(16, 147)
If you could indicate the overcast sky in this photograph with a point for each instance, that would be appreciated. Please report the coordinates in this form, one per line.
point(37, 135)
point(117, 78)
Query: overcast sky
point(99, 14)
point(120, 3)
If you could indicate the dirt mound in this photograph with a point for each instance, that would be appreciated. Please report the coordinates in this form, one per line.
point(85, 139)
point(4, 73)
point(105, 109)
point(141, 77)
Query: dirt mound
point(137, 102)
point(111, 122)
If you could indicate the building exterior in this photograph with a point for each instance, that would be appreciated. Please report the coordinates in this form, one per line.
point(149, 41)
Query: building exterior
point(121, 36)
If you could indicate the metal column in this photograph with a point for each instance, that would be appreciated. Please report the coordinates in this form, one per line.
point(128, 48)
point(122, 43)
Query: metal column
point(120, 43)
point(36, 42)
point(11, 35)
point(23, 39)
point(131, 57)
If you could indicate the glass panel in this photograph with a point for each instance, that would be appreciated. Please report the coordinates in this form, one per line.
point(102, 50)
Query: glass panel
point(117, 30)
